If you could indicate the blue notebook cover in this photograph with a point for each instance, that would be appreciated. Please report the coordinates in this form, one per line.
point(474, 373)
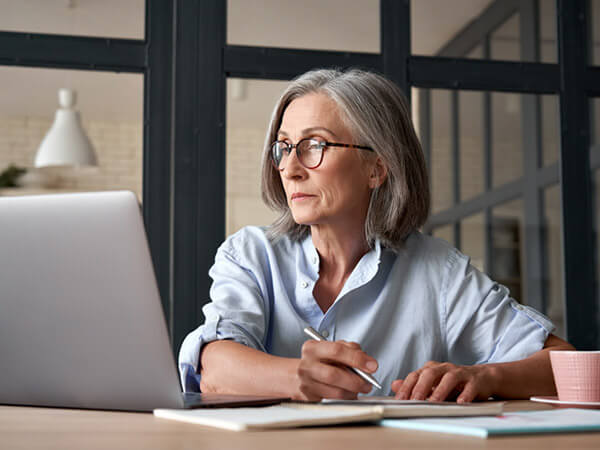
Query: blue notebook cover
point(523, 422)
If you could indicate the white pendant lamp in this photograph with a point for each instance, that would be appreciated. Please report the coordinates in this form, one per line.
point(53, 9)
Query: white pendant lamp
point(66, 143)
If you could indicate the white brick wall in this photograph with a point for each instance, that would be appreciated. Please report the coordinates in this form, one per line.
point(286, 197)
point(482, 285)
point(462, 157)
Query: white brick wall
point(118, 146)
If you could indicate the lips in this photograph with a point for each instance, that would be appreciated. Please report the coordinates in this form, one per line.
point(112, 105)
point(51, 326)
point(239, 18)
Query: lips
point(300, 195)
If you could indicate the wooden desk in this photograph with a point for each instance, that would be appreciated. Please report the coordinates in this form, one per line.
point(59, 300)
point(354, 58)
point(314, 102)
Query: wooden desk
point(48, 428)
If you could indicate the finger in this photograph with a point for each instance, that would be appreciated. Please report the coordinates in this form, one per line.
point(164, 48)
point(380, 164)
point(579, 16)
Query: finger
point(431, 364)
point(339, 353)
point(469, 393)
point(396, 384)
point(352, 345)
point(407, 385)
point(449, 382)
point(314, 391)
point(427, 379)
point(331, 375)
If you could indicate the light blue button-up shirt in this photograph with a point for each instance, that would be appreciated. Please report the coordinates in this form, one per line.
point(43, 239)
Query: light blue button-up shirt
point(425, 302)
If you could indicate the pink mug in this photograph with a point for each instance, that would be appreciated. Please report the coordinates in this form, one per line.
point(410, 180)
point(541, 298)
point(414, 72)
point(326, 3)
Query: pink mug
point(576, 375)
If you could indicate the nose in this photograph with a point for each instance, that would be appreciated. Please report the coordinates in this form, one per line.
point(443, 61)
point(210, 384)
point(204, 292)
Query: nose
point(294, 170)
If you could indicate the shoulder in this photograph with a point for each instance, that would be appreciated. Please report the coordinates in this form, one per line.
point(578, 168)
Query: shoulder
point(430, 260)
point(431, 251)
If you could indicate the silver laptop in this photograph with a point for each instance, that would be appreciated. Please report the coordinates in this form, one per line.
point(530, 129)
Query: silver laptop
point(81, 323)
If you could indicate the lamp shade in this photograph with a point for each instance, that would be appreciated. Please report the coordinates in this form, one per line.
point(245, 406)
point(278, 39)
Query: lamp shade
point(66, 143)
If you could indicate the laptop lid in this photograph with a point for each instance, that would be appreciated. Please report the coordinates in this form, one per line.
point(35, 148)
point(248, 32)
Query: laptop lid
point(81, 322)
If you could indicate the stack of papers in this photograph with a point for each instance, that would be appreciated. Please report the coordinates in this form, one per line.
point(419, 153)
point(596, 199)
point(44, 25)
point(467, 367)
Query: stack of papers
point(328, 412)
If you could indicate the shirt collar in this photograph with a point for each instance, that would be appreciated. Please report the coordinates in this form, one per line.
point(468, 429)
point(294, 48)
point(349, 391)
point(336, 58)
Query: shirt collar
point(364, 271)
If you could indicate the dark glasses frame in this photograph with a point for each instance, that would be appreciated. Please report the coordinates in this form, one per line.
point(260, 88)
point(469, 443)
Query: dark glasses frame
point(322, 145)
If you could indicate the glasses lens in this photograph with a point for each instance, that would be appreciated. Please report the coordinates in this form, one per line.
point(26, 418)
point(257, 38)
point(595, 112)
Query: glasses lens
point(278, 151)
point(309, 153)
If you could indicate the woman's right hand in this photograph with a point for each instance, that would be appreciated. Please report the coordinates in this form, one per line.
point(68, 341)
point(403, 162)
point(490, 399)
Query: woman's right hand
point(323, 370)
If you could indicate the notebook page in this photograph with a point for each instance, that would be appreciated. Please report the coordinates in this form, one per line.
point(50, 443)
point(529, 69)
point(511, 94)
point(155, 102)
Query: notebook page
point(279, 416)
point(524, 422)
point(422, 408)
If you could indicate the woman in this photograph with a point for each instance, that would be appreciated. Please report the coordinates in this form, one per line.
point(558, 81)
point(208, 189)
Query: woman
point(343, 166)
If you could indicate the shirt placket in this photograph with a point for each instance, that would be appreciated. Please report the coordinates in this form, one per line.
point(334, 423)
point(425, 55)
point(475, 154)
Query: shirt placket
point(307, 276)
point(363, 273)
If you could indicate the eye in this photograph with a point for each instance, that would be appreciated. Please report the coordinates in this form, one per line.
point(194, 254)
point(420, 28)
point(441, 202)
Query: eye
point(309, 145)
point(314, 146)
point(318, 138)
point(282, 144)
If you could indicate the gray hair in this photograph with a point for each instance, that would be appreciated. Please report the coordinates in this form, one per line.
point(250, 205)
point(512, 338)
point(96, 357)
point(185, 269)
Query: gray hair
point(377, 114)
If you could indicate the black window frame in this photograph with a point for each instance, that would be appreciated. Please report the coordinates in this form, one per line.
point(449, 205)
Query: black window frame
point(186, 61)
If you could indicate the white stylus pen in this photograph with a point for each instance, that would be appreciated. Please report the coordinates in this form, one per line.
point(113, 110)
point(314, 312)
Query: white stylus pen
point(365, 376)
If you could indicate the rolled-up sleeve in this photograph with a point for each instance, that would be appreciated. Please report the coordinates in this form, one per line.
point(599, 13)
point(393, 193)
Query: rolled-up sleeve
point(237, 312)
point(483, 323)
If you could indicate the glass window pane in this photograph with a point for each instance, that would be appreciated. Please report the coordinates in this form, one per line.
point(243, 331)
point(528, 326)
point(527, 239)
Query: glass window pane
point(553, 274)
point(249, 107)
point(446, 233)
point(476, 53)
point(415, 100)
point(442, 175)
point(594, 24)
point(547, 14)
point(471, 145)
point(550, 129)
point(509, 129)
point(437, 23)
point(446, 28)
point(507, 145)
point(348, 25)
point(111, 111)
point(75, 17)
point(507, 239)
point(472, 239)
point(505, 42)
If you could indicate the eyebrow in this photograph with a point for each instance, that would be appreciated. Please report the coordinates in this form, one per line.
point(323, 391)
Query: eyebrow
point(311, 130)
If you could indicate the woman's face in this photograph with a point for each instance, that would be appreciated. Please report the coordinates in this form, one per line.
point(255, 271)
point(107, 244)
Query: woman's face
point(338, 190)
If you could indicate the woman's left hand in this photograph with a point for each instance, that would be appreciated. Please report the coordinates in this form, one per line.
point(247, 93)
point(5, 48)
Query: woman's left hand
point(437, 381)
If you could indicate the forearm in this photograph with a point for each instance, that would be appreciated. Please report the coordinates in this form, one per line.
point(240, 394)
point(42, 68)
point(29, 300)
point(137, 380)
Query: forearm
point(527, 377)
point(230, 367)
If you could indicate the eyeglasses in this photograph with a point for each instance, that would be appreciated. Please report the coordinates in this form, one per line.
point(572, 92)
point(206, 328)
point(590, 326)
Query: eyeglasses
point(308, 151)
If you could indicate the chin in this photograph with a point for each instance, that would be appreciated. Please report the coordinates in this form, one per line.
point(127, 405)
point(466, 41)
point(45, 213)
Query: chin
point(305, 219)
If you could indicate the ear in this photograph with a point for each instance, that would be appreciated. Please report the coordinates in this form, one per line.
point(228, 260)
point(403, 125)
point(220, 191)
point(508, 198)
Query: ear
point(377, 174)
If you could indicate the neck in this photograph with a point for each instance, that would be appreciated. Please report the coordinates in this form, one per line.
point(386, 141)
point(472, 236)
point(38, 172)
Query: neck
point(340, 248)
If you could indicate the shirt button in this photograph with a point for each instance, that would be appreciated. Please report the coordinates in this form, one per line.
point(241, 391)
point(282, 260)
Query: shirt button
point(520, 307)
point(304, 285)
point(314, 260)
point(325, 333)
